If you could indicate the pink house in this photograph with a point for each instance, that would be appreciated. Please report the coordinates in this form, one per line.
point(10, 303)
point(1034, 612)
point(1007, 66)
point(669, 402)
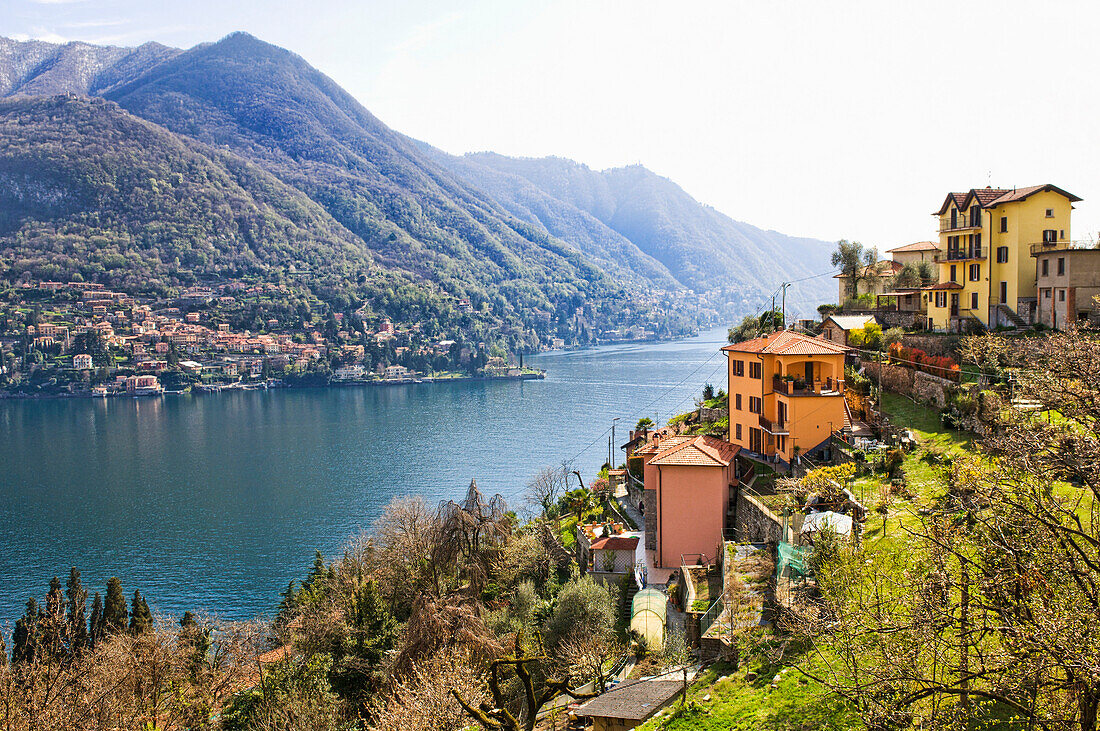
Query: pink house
point(690, 483)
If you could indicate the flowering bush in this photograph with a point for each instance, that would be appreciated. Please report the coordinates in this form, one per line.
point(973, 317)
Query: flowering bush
point(917, 359)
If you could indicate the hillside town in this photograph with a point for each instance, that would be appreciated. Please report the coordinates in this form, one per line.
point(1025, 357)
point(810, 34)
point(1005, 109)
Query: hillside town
point(81, 338)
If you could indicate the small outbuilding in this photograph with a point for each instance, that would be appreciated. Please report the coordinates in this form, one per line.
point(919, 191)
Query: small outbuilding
point(629, 704)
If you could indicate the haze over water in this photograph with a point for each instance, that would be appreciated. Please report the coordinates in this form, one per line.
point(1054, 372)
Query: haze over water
point(216, 502)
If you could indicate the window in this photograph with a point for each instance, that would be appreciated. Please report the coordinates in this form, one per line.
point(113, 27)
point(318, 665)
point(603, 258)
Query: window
point(954, 276)
point(1046, 267)
point(973, 300)
point(1050, 213)
point(975, 272)
point(977, 244)
point(1061, 295)
point(1004, 224)
point(1046, 294)
point(1002, 254)
point(738, 432)
point(737, 401)
point(941, 299)
point(1004, 293)
point(975, 216)
point(755, 404)
point(1061, 265)
point(738, 369)
point(1049, 236)
point(754, 370)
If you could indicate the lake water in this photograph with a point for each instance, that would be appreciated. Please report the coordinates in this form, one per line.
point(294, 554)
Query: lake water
point(215, 502)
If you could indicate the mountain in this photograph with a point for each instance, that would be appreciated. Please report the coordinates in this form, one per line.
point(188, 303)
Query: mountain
point(37, 68)
point(544, 247)
point(87, 188)
point(701, 248)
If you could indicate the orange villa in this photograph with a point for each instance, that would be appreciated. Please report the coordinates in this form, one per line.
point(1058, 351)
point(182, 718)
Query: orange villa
point(690, 487)
point(786, 395)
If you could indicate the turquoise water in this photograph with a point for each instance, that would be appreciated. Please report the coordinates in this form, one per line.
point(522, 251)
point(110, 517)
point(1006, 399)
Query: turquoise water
point(215, 502)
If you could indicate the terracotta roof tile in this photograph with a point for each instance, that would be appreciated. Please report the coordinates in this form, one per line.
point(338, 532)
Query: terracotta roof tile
point(918, 246)
point(787, 342)
point(943, 285)
point(615, 543)
point(701, 451)
point(665, 443)
point(1019, 194)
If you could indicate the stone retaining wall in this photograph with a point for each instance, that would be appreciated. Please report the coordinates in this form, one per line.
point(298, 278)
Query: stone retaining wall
point(754, 523)
point(650, 499)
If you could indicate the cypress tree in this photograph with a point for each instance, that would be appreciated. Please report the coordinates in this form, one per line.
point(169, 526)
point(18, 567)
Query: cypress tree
point(24, 638)
point(95, 624)
point(52, 635)
point(141, 619)
point(77, 613)
point(114, 609)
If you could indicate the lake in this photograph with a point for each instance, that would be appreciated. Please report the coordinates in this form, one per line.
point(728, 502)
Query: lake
point(215, 502)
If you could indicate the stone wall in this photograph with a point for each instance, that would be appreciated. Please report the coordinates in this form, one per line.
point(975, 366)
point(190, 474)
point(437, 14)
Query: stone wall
point(650, 500)
point(930, 389)
point(895, 378)
point(706, 414)
point(934, 344)
point(923, 387)
point(908, 320)
point(754, 523)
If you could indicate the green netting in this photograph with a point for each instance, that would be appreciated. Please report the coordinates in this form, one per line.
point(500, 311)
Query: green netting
point(793, 561)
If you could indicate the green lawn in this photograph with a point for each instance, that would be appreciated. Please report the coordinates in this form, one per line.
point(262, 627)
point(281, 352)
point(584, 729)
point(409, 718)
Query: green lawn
point(738, 704)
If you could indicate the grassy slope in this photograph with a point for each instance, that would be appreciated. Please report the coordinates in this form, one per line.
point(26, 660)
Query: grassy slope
point(798, 703)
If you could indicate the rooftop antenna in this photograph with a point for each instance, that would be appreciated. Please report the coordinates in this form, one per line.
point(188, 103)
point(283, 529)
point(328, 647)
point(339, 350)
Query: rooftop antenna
point(989, 179)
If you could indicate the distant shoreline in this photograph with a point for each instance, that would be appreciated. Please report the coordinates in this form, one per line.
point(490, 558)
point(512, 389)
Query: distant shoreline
point(235, 387)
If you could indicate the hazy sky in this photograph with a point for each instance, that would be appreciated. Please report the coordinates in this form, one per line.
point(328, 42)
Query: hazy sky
point(813, 118)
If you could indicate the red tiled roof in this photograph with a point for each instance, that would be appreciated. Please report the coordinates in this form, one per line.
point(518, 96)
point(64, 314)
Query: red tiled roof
point(615, 543)
point(943, 285)
point(884, 268)
point(787, 342)
point(665, 443)
point(918, 246)
point(701, 451)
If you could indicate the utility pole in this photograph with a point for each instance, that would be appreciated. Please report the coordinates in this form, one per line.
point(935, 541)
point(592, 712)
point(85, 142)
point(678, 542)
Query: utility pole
point(613, 447)
point(785, 285)
point(771, 313)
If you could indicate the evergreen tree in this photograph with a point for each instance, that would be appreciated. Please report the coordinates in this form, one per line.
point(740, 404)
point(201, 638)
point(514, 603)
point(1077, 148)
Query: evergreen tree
point(198, 637)
point(114, 609)
point(95, 623)
point(24, 638)
point(141, 619)
point(52, 630)
point(77, 613)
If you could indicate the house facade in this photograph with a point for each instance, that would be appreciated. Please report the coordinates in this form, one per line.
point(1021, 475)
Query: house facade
point(987, 274)
point(1068, 279)
point(875, 279)
point(690, 488)
point(786, 394)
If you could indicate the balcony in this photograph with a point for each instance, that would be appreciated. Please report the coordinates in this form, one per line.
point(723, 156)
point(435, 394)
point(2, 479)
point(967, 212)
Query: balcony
point(961, 224)
point(773, 427)
point(960, 255)
point(1046, 247)
point(799, 387)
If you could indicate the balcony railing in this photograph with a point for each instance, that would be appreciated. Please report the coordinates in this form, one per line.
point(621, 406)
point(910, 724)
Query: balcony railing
point(960, 255)
point(963, 222)
point(828, 387)
point(1048, 246)
point(773, 427)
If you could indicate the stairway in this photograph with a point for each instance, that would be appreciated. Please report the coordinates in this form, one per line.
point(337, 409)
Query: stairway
point(1010, 314)
point(628, 602)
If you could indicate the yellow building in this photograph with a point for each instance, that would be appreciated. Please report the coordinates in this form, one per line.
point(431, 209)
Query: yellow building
point(786, 395)
point(987, 273)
